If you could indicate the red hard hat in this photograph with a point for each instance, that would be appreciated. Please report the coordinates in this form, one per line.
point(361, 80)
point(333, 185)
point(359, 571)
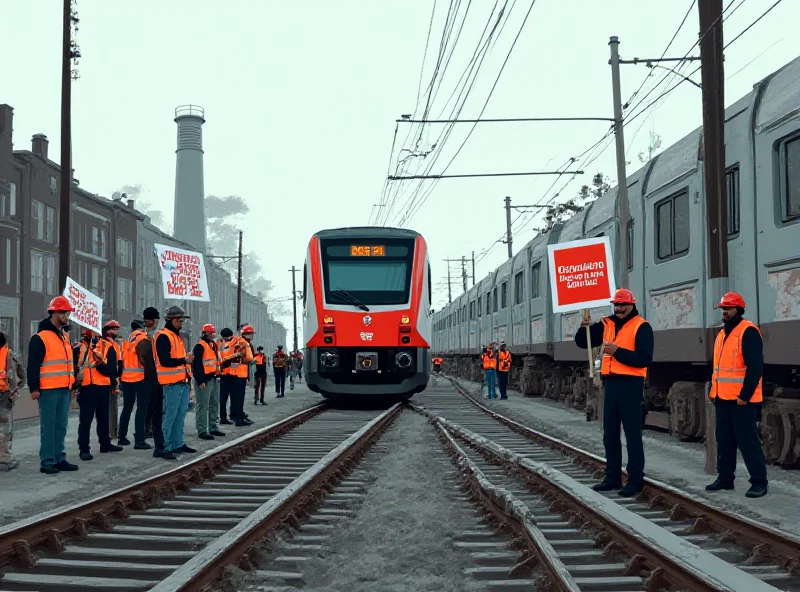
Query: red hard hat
point(731, 299)
point(112, 324)
point(247, 329)
point(623, 296)
point(208, 328)
point(60, 304)
point(86, 333)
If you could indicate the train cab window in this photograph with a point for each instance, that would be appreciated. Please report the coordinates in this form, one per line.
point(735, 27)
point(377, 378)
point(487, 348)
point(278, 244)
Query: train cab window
point(536, 269)
point(494, 300)
point(430, 287)
point(790, 179)
point(519, 288)
point(672, 226)
point(732, 197)
point(629, 252)
point(503, 295)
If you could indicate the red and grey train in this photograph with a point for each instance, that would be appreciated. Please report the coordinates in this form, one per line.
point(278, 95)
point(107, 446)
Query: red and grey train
point(367, 312)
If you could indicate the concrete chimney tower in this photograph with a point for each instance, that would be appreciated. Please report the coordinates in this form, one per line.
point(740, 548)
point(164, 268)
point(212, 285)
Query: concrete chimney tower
point(190, 209)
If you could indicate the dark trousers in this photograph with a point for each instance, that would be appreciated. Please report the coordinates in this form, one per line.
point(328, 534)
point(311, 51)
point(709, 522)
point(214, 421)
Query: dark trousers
point(280, 380)
point(157, 405)
point(736, 427)
point(140, 394)
point(502, 383)
point(94, 404)
point(227, 385)
point(260, 384)
point(623, 405)
point(238, 389)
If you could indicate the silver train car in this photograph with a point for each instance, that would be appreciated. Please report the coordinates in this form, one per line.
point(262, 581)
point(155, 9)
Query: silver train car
point(667, 267)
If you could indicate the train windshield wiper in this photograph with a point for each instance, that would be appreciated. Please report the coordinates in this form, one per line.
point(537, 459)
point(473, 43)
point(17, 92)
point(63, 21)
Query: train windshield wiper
point(350, 298)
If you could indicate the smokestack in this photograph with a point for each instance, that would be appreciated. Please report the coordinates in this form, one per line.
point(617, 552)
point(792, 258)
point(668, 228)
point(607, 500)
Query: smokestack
point(39, 145)
point(190, 214)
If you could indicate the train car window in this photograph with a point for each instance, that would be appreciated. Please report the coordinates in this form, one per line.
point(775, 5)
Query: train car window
point(536, 269)
point(630, 244)
point(488, 303)
point(732, 192)
point(494, 300)
point(790, 179)
point(472, 308)
point(519, 288)
point(672, 225)
point(464, 313)
point(478, 308)
point(504, 295)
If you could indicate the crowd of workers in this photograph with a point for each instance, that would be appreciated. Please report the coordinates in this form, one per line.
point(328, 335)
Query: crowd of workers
point(154, 373)
point(627, 344)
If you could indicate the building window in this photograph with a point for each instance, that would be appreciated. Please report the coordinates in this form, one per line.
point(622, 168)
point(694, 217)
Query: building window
point(519, 288)
point(99, 241)
point(34, 328)
point(124, 293)
point(629, 252)
point(790, 163)
point(12, 204)
point(43, 273)
point(504, 295)
point(8, 261)
point(672, 226)
point(43, 222)
point(732, 192)
point(535, 272)
point(124, 253)
point(53, 185)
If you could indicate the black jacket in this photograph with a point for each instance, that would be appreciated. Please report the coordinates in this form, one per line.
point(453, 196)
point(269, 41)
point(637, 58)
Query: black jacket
point(753, 355)
point(36, 353)
point(198, 369)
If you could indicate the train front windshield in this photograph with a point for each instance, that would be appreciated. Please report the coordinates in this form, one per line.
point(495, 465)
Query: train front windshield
point(367, 273)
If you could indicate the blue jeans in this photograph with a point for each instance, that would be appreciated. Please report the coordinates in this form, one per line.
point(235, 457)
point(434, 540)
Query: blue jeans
point(53, 420)
point(489, 379)
point(176, 406)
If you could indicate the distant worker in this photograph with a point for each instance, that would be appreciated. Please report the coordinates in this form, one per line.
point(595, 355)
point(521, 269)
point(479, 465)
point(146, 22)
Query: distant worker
point(736, 385)
point(10, 380)
point(503, 370)
point(279, 363)
point(260, 376)
point(627, 341)
point(134, 390)
point(437, 364)
point(50, 379)
point(100, 371)
point(205, 367)
point(174, 373)
point(291, 369)
point(300, 366)
point(489, 368)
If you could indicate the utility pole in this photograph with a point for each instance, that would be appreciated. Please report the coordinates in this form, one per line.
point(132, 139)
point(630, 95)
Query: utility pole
point(239, 286)
point(464, 272)
point(449, 287)
point(622, 177)
point(713, 88)
point(66, 146)
point(294, 305)
point(508, 226)
point(473, 268)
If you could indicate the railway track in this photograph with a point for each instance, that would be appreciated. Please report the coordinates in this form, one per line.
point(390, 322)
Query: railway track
point(767, 556)
point(179, 530)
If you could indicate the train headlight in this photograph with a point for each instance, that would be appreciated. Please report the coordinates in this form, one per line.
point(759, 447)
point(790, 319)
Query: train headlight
point(403, 360)
point(329, 360)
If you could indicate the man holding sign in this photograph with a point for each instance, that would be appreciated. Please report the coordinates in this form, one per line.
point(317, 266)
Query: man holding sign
point(627, 341)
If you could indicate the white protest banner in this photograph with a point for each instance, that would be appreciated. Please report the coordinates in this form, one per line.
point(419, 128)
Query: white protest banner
point(183, 272)
point(88, 307)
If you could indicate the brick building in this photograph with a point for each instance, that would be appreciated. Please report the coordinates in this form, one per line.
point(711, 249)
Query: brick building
point(111, 253)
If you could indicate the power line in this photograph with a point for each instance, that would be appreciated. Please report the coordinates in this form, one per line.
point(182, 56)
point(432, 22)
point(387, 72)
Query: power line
point(461, 176)
point(505, 120)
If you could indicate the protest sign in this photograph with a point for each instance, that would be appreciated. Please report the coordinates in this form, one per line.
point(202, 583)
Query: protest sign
point(88, 307)
point(581, 274)
point(183, 273)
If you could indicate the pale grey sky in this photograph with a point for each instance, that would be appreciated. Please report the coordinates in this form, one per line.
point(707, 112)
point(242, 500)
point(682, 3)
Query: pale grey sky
point(301, 99)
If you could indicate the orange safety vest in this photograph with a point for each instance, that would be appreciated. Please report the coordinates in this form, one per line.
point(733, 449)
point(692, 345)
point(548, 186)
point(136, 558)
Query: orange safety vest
point(437, 361)
point(176, 374)
point(227, 350)
point(210, 358)
point(132, 370)
point(626, 339)
point(57, 368)
point(261, 359)
point(504, 361)
point(93, 377)
point(729, 368)
point(489, 362)
point(243, 371)
point(4, 368)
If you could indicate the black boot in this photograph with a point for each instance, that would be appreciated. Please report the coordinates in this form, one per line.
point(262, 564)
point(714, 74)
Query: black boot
point(607, 485)
point(758, 490)
point(719, 484)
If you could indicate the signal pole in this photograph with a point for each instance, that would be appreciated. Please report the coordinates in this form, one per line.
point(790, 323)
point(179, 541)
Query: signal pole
point(294, 305)
point(622, 177)
point(473, 268)
point(449, 288)
point(508, 227)
point(464, 272)
point(66, 145)
point(239, 286)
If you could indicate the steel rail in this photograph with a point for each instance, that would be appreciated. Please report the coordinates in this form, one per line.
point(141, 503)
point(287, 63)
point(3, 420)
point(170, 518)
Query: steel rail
point(283, 509)
point(18, 540)
point(762, 541)
point(670, 560)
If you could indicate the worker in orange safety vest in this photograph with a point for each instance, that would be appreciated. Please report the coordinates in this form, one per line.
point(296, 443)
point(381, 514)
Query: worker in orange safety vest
point(503, 370)
point(489, 360)
point(736, 389)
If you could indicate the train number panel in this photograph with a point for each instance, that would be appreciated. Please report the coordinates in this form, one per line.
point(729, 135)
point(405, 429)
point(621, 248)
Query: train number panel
point(367, 320)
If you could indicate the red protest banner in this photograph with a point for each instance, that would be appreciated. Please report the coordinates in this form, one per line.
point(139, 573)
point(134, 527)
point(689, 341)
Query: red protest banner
point(581, 274)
